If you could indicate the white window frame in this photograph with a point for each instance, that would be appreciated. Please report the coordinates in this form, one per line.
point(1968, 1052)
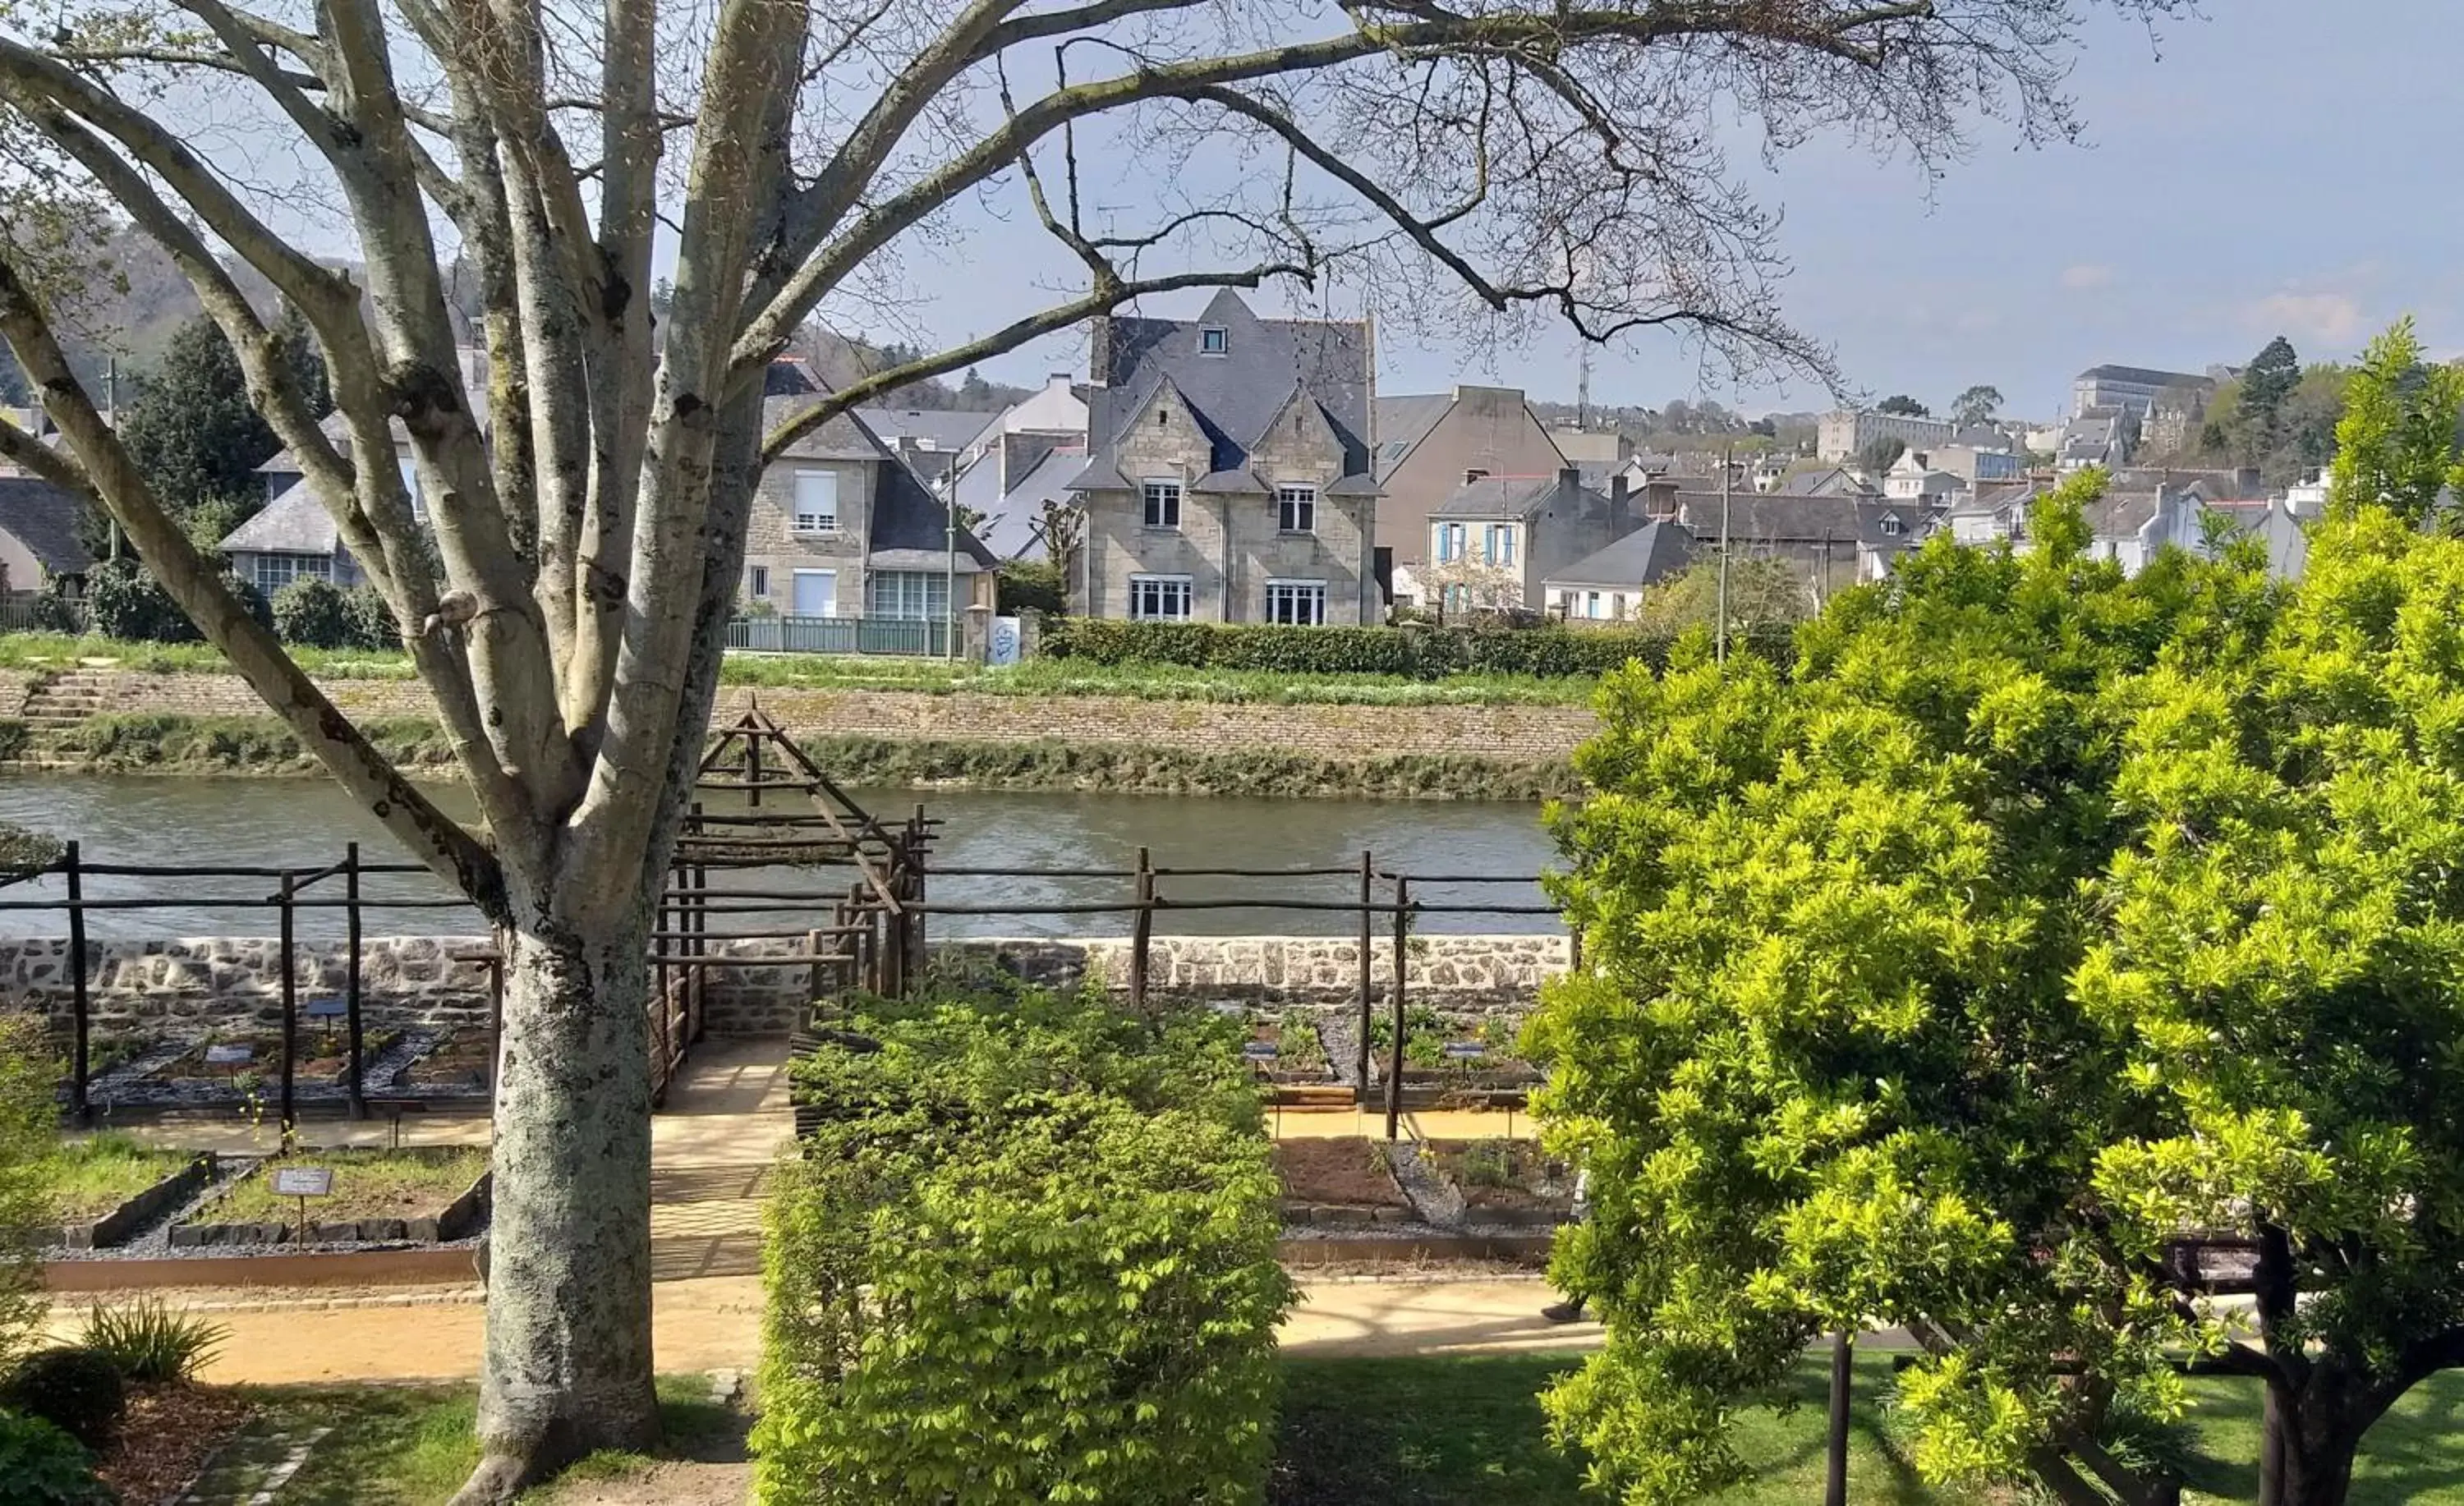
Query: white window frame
point(1296, 509)
point(1160, 497)
point(1452, 541)
point(410, 484)
point(1214, 340)
point(796, 575)
point(756, 583)
point(1892, 527)
point(907, 596)
point(1164, 588)
point(294, 567)
point(814, 522)
point(1498, 547)
point(1304, 599)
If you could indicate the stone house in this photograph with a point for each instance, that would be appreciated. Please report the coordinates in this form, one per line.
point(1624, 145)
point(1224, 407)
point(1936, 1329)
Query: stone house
point(1518, 533)
point(840, 527)
point(1834, 541)
point(1228, 477)
point(1430, 445)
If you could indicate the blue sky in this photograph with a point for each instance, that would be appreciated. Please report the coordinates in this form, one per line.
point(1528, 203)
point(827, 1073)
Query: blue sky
point(2282, 166)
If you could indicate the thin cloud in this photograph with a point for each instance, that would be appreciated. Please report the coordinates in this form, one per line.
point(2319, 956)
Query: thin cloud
point(2087, 276)
point(2319, 318)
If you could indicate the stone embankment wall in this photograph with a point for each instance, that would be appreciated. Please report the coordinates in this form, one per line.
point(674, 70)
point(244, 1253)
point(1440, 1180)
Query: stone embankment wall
point(1506, 733)
point(155, 988)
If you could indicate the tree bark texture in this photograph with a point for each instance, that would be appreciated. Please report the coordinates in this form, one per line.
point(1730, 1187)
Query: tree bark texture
point(568, 1364)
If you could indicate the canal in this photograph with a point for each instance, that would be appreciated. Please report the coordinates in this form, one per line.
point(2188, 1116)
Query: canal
point(305, 824)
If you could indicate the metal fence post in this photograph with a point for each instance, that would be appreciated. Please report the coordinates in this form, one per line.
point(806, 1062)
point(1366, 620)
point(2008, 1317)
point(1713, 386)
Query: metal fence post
point(290, 1008)
point(351, 980)
point(1402, 962)
point(1367, 943)
point(79, 1010)
point(1141, 934)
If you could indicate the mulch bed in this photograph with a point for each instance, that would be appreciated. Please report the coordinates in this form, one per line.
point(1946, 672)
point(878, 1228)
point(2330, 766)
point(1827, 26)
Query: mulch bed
point(169, 1433)
point(1336, 1172)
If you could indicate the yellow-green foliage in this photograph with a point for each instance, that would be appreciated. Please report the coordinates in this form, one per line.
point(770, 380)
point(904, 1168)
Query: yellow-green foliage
point(1029, 1255)
point(29, 1130)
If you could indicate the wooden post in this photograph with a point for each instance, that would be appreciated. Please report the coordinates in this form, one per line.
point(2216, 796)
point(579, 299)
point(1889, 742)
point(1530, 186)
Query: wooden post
point(1368, 943)
point(496, 1016)
point(1842, 1375)
point(697, 971)
point(918, 842)
point(1574, 948)
point(753, 770)
point(359, 1094)
point(79, 1010)
point(1141, 934)
point(1402, 962)
point(289, 1008)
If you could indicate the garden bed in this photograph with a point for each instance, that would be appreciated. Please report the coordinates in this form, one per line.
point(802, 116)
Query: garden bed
point(109, 1187)
point(429, 1195)
point(1299, 1060)
point(1449, 1063)
point(1506, 1180)
point(459, 1063)
point(1348, 1181)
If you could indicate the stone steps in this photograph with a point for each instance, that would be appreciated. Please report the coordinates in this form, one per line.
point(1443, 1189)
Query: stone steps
point(69, 699)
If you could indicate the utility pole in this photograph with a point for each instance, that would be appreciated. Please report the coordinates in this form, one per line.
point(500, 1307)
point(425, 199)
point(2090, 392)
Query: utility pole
point(1728, 491)
point(950, 578)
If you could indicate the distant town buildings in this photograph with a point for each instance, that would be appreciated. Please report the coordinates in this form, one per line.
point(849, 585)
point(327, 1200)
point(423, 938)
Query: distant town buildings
point(2133, 389)
point(1844, 432)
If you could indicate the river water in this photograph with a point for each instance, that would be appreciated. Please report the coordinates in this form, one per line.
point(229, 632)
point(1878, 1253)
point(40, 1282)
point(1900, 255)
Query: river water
point(305, 824)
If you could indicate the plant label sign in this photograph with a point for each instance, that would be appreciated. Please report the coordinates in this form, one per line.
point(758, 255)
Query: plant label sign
point(1465, 1050)
point(1259, 1051)
point(324, 1009)
point(229, 1056)
point(303, 1181)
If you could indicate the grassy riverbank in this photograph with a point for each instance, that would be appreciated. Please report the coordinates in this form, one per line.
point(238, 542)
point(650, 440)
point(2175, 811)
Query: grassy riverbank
point(1041, 677)
point(225, 744)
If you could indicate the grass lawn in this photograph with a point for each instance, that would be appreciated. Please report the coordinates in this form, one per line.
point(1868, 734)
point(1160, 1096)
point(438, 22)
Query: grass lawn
point(92, 1177)
point(1467, 1431)
point(403, 1445)
point(1041, 677)
point(367, 1184)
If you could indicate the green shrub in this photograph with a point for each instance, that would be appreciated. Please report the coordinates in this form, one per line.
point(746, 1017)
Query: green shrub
point(373, 626)
point(1029, 1255)
point(51, 612)
point(29, 1136)
point(77, 1391)
point(124, 601)
point(1414, 653)
point(150, 1344)
point(316, 613)
point(1032, 584)
point(42, 1466)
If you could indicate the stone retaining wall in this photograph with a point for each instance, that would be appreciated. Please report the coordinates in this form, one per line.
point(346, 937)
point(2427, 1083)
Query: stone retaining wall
point(155, 988)
point(1520, 734)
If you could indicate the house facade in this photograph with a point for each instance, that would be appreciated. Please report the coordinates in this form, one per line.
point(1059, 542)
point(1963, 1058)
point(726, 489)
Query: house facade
point(1608, 584)
point(1432, 445)
point(1022, 461)
point(1228, 475)
point(41, 549)
point(1844, 433)
point(2133, 388)
point(1496, 542)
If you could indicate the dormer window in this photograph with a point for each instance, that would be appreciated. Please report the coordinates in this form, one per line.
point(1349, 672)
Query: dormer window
point(1891, 525)
point(1214, 340)
point(1474, 475)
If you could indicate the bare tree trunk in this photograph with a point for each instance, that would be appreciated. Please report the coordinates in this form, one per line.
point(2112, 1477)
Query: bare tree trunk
point(568, 1365)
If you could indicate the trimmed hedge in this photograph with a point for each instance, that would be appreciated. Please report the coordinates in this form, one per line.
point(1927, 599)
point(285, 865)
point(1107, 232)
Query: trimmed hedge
point(320, 614)
point(1416, 654)
point(1029, 1255)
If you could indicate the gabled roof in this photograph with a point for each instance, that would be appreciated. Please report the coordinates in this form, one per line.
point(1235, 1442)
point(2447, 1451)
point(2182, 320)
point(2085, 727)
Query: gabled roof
point(1236, 394)
point(2119, 515)
point(845, 437)
point(293, 523)
point(911, 529)
point(1497, 497)
point(1014, 526)
point(1403, 421)
point(1651, 553)
point(935, 428)
point(44, 519)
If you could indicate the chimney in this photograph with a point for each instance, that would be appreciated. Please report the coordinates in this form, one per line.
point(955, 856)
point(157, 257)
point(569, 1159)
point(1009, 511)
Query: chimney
point(1621, 515)
point(1099, 350)
point(1570, 490)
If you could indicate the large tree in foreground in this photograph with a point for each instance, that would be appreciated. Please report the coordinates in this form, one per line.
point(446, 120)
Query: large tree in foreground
point(2044, 928)
point(1550, 160)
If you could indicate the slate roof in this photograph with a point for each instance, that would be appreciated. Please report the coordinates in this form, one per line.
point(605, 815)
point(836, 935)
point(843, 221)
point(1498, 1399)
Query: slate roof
point(1825, 521)
point(845, 437)
point(1993, 501)
point(1497, 497)
point(293, 523)
point(2143, 375)
point(1237, 394)
point(1651, 553)
point(2121, 515)
point(1833, 482)
point(938, 429)
point(44, 519)
point(910, 527)
point(1013, 526)
point(1403, 421)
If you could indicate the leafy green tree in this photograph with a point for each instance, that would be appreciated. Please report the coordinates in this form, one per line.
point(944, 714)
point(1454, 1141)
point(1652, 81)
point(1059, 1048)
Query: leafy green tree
point(1762, 593)
point(2396, 444)
point(197, 436)
point(2266, 383)
point(1902, 405)
point(2043, 921)
point(1976, 406)
point(1880, 453)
